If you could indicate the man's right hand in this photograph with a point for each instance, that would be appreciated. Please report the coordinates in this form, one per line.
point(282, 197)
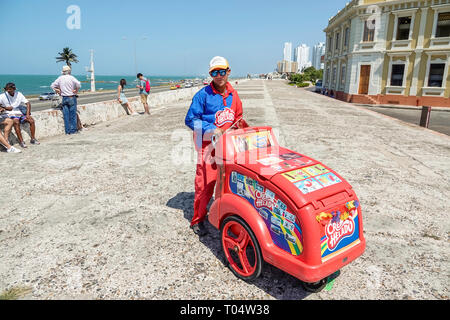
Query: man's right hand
point(218, 132)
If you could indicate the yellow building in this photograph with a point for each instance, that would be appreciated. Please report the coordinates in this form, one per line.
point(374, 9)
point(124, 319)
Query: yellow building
point(390, 52)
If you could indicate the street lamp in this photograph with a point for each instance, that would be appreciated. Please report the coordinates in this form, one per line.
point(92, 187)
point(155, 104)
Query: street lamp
point(144, 37)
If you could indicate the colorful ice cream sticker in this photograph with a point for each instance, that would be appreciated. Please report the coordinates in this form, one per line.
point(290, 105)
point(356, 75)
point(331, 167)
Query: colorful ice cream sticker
point(281, 223)
point(311, 178)
point(341, 229)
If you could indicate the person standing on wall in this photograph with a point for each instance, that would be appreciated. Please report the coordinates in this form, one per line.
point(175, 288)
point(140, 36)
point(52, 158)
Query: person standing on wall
point(144, 90)
point(68, 86)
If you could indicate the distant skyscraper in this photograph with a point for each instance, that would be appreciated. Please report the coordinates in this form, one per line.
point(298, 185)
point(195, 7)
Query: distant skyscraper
point(301, 56)
point(318, 52)
point(287, 53)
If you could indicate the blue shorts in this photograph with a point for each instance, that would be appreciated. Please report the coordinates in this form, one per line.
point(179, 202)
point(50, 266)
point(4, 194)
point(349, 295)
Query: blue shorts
point(21, 118)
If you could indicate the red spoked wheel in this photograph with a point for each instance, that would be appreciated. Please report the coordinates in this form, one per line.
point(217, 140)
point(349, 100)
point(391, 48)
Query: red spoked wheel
point(242, 251)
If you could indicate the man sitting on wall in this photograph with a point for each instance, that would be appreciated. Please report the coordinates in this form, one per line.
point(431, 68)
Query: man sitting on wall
point(8, 123)
point(19, 110)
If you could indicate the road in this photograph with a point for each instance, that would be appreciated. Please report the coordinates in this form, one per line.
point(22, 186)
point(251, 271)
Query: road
point(439, 120)
point(85, 98)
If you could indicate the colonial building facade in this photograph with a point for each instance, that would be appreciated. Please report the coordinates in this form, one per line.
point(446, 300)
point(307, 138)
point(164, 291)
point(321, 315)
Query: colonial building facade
point(390, 52)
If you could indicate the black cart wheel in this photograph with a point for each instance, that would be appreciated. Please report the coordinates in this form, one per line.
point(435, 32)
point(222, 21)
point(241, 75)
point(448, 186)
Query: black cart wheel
point(315, 287)
point(242, 251)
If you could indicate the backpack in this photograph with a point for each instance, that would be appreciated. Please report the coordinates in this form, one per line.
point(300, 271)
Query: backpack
point(147, 86)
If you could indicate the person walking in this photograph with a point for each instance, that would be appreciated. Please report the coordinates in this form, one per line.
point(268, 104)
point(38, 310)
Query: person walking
point(68, 86)
point(18, 108)
point(123, 99)
point(214, 109)
point(143, 85)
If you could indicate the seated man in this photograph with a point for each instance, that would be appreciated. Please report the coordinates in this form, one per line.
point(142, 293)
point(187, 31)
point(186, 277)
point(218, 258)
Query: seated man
point(14, 103)
point(7, 122)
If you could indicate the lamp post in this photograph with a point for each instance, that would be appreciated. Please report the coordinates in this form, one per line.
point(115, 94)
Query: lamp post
point(144, 37)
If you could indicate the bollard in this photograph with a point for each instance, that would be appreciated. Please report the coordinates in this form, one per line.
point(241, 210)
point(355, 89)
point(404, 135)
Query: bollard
point(425, 118)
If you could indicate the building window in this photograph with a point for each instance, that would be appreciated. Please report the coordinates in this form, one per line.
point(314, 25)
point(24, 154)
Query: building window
point(337, 41)
point(403, 28)
point(334, 75)
point(443, 25)
point(343, 75)
point(369, 31)
point(398, 72)
point(436, 75)
point(330, 44)
point(346, 35)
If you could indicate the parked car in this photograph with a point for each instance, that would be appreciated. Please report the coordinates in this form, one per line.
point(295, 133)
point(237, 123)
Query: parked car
point(188, 85)
point(48, 96)
point(318, 86)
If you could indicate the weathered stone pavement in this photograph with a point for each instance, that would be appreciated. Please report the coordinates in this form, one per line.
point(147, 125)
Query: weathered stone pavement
point(105, 214)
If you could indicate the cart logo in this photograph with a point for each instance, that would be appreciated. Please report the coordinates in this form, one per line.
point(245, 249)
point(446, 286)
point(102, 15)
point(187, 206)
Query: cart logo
point(263, 200)
point(336, 231)
point(224, 116)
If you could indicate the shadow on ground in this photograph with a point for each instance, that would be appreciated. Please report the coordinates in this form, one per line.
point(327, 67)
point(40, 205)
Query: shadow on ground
point(275, 282)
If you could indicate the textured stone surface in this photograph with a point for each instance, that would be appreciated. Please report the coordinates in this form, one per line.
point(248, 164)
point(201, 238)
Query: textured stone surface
point(105, 214)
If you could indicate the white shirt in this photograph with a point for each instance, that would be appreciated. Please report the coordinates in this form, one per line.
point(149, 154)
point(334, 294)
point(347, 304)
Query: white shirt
point(15, 102)
point(67, 84)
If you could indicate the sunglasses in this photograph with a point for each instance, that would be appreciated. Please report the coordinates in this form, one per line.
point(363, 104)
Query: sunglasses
point(222, 72)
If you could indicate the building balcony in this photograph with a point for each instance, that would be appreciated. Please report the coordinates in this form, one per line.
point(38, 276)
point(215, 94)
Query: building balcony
point(401, 44)
point(366, 45)
point(440, 42)
point(433, 91)
point(400, 90)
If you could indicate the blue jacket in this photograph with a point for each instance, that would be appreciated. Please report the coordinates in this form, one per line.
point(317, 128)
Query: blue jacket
point(210, 110)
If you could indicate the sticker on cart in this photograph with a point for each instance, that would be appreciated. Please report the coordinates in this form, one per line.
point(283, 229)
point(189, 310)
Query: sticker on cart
point(340, 229)
point(252, 140)
point(290, 156)
point(316, 170)
point(308, 185)
point(269, 161)
point(328, 179)
point(284, 230)
point(296, 175)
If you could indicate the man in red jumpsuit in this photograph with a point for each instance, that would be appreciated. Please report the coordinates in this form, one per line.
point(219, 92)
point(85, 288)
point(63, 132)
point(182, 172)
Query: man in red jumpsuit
point(213, 110)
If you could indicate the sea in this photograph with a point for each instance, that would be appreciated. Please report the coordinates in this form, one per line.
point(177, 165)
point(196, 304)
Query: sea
point(31, 85)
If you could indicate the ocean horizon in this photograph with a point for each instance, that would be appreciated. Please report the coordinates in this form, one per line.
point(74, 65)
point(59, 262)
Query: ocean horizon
point(31, 84)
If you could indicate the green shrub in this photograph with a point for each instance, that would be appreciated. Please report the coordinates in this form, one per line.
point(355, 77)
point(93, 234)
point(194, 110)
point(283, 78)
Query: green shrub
point(302, 85)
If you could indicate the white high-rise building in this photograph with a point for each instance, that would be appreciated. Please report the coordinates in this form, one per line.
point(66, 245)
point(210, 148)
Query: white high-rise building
point(301, 56)
point(287, 53)
point(317, 53)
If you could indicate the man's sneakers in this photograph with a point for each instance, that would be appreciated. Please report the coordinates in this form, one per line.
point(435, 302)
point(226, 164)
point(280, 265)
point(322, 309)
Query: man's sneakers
point(199, 229)
point(32, 141)
point(13, 150)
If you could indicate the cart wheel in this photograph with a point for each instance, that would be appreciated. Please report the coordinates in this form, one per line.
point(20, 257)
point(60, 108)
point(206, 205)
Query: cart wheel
point(315, 287)
point(241, 249)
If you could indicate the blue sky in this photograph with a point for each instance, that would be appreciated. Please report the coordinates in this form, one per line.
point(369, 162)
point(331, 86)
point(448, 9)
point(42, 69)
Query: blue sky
point(181, 36)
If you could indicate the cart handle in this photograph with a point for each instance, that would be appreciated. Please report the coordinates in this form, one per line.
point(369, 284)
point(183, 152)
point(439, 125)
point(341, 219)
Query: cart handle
point(215, 138)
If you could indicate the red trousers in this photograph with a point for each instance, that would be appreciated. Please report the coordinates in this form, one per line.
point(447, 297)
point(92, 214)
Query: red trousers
point(205, 181)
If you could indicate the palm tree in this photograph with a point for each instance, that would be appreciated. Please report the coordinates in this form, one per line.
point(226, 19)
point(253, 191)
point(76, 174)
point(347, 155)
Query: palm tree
point(67, 56)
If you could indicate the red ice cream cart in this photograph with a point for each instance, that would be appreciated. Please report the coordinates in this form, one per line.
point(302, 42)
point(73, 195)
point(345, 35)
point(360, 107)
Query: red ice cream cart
point(283, 207)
